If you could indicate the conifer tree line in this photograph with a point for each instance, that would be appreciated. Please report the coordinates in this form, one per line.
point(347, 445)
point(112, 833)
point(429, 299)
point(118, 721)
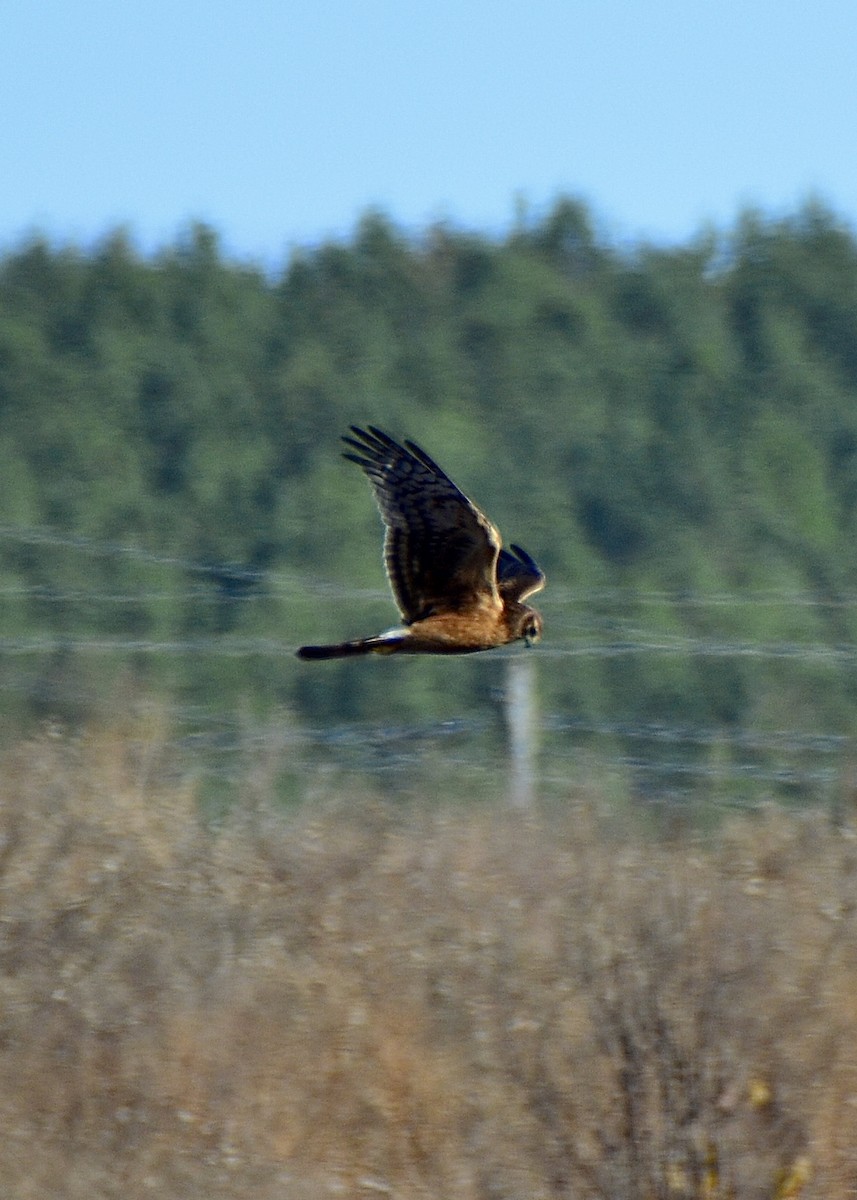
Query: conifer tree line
point(660, 424)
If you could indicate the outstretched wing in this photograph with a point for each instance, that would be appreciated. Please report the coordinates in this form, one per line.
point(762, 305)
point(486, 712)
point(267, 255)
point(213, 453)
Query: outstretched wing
point(440, 550)
point(518, 574)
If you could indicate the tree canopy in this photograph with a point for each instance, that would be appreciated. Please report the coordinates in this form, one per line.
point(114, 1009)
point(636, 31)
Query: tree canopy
point(654, 424)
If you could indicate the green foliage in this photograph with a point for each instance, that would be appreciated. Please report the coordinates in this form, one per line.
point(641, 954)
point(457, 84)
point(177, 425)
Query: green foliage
point(676, 421)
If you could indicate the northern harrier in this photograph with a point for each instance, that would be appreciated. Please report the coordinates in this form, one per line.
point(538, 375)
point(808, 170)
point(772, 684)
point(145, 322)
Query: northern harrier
point(457, 590)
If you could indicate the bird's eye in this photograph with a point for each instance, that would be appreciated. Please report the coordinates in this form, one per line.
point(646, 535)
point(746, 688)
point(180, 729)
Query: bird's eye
point(532, 633)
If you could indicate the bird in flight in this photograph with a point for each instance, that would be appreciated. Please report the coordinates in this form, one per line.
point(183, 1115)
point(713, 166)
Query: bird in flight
point(457, 589)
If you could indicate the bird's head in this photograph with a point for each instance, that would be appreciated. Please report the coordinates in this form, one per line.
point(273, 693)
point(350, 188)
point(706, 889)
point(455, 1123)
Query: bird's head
point(531, 627)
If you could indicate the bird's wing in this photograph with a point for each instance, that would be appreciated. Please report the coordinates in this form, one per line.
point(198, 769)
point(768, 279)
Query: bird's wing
point(440, 550)
point(518, 574)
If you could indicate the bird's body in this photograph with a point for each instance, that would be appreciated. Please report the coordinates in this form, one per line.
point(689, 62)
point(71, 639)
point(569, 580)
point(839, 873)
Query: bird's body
point(446, 633)
point(457, 589)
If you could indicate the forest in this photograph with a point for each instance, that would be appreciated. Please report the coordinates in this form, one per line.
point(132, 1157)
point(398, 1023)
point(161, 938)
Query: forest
point(670, 431)
point(391, 987)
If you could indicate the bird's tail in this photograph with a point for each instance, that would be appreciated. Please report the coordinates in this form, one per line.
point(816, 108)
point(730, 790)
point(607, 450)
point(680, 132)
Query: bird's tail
point(383, 643)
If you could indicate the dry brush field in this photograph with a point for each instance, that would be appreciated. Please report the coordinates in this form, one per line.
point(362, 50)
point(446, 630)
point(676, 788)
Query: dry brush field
point(436, 1001)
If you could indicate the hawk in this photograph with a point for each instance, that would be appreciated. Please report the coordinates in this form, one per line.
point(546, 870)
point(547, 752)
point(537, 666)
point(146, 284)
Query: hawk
point(457, 589)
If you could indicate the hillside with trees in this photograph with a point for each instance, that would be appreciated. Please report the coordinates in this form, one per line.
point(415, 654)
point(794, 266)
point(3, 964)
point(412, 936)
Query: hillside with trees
point(672, 432)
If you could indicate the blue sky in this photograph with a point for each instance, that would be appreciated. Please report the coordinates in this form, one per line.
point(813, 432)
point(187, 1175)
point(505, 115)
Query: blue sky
point(281, 122)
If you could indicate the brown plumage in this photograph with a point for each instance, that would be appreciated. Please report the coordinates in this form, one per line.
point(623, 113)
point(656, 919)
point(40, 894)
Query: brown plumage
point(457, 589)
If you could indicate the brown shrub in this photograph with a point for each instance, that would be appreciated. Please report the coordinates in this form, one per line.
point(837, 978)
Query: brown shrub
point(358, 998)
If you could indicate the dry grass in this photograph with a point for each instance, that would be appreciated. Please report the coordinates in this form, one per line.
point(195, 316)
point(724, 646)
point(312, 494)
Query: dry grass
point(456, 1003)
